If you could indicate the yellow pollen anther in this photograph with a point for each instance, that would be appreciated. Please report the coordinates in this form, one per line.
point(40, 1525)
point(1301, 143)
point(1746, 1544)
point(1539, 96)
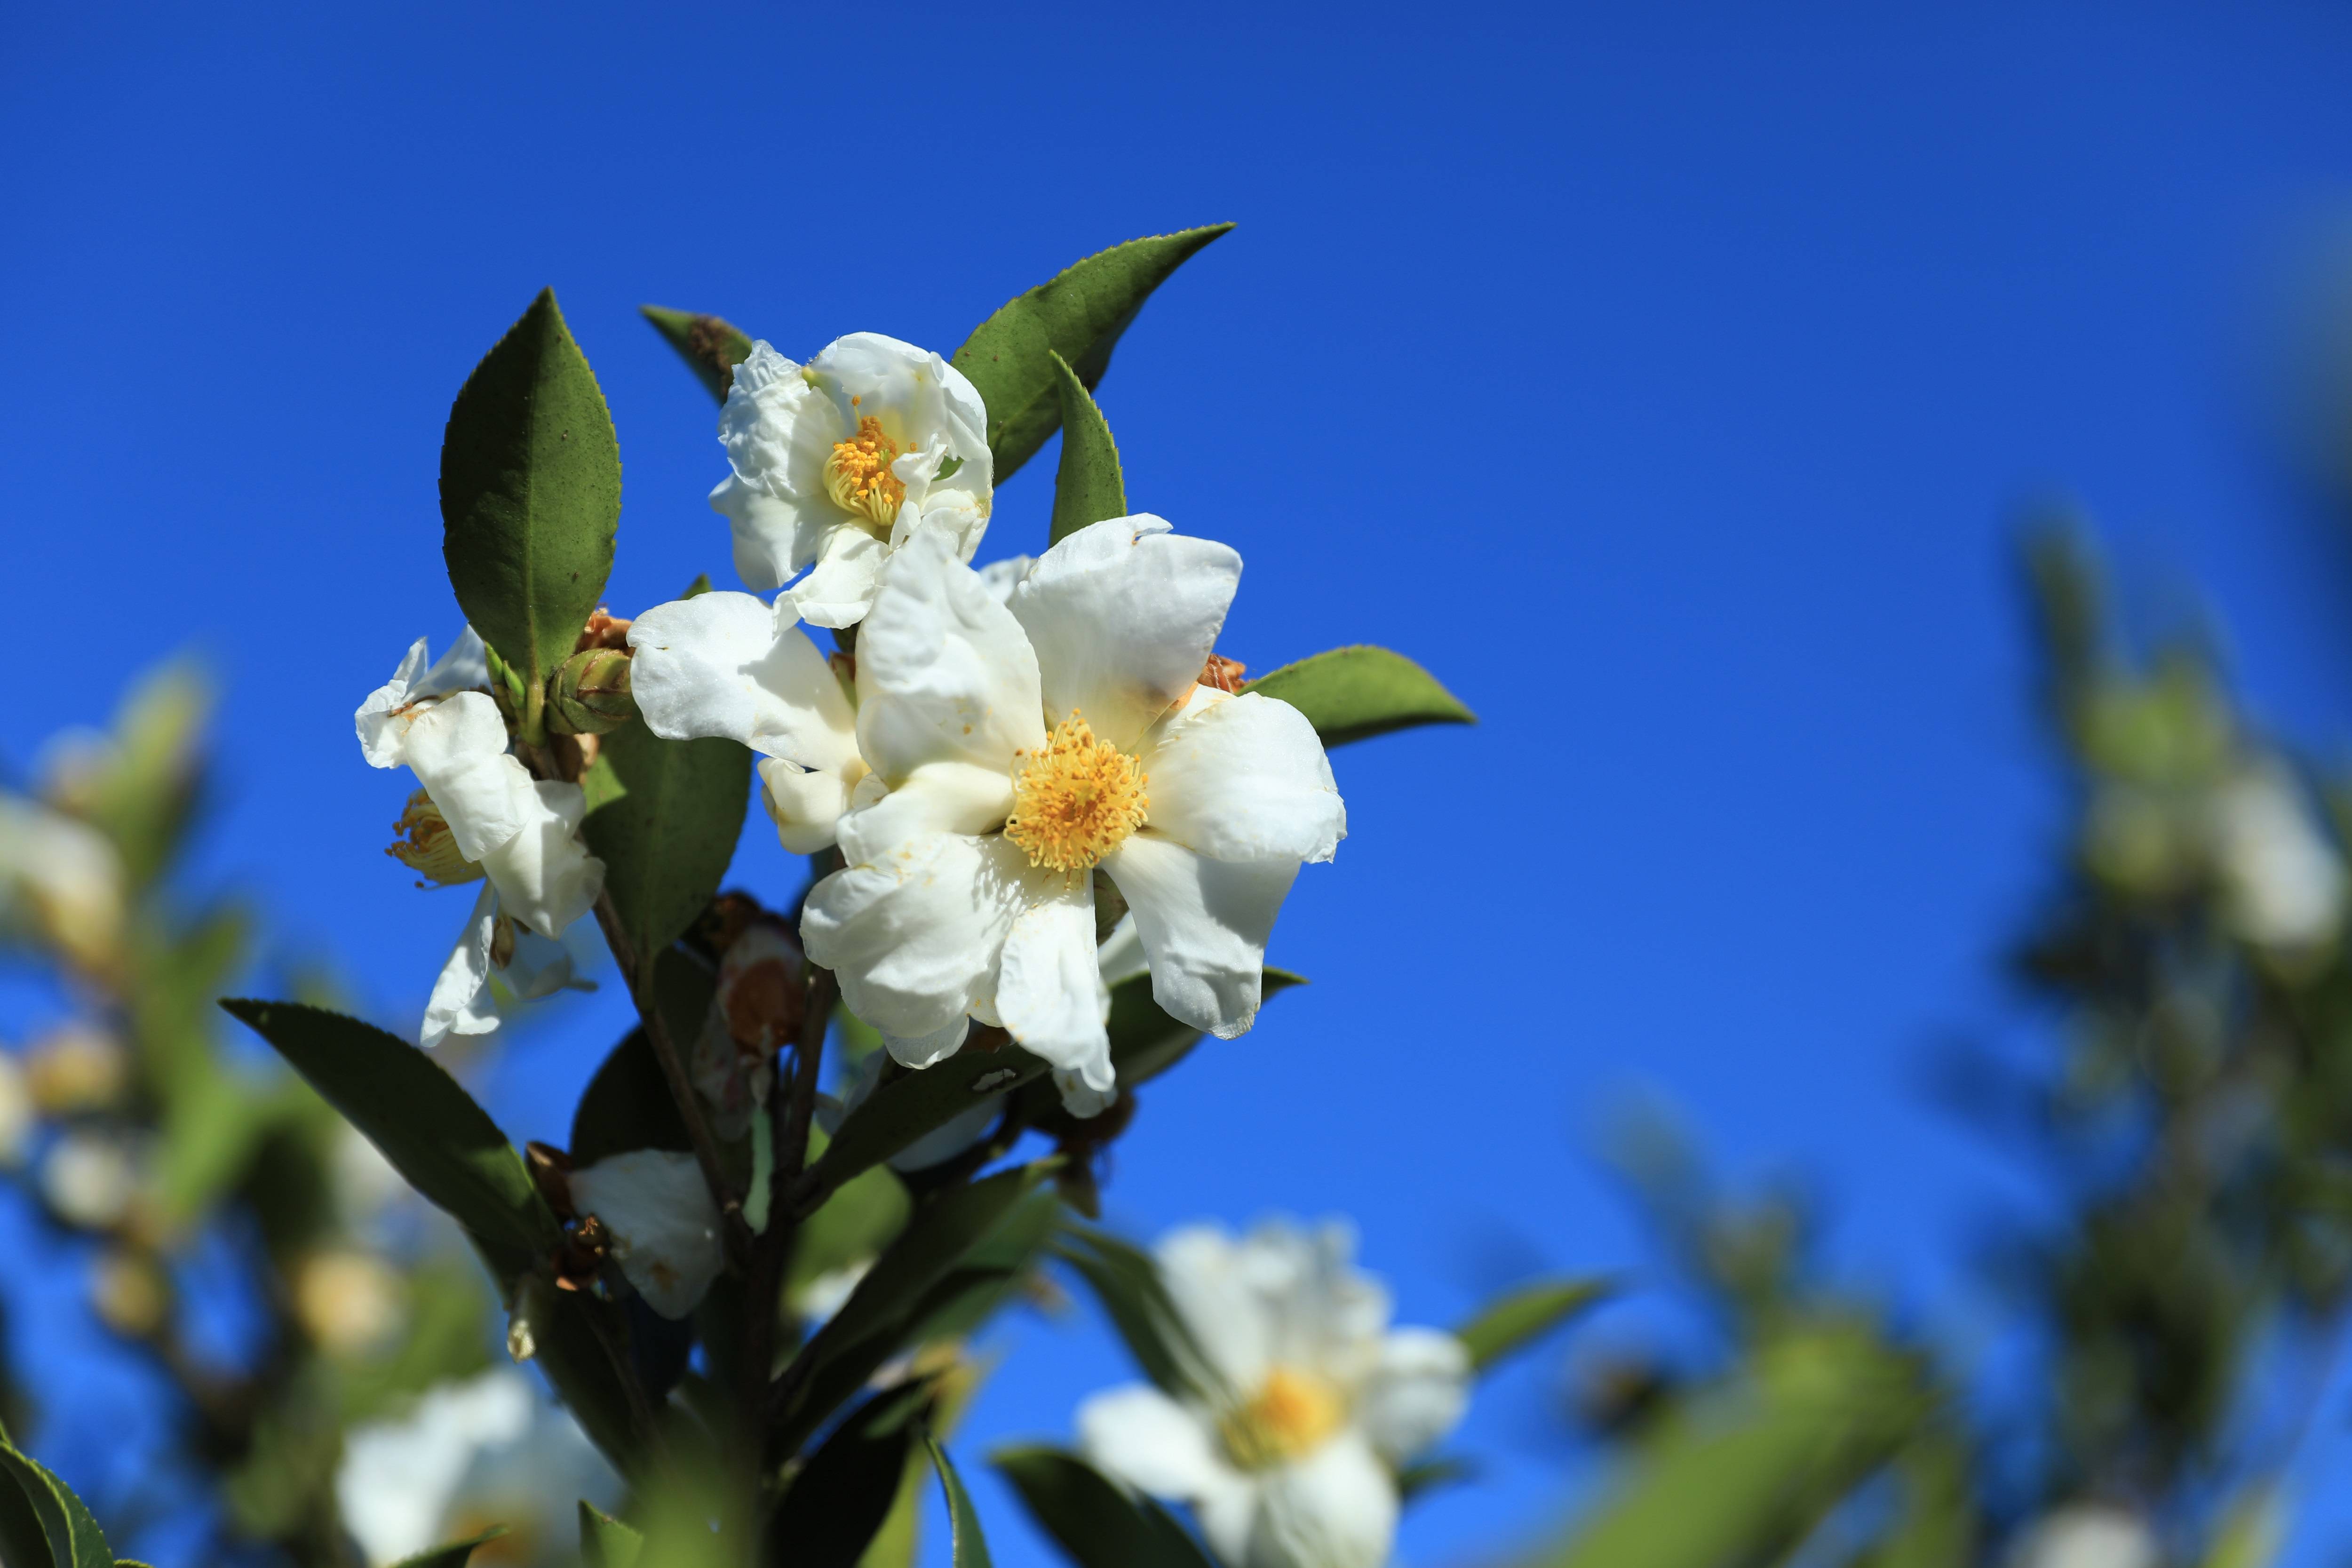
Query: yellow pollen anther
point(858, 478)
point(1077, 800)
point(1292, 1415)
point(427, 847)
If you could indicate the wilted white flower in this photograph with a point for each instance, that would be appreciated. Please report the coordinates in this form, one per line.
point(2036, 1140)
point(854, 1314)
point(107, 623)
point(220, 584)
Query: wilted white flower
point(491, 1450)
point(2088, 1535)
point(664, 1227)
point(1292, 1461)
point(90, 1178)
point(837, 463)
point(60, 881)
point(753, 1015)
point(2283, 881)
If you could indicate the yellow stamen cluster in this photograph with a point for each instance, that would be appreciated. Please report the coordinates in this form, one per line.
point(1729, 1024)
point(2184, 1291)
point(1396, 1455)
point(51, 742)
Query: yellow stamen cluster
point(1292, 1415)
point(427, 847)
point(1076, 800)
point(858, 478)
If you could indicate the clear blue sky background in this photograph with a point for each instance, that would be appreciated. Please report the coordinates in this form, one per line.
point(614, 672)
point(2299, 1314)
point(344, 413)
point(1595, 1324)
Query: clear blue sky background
point(1665, 379)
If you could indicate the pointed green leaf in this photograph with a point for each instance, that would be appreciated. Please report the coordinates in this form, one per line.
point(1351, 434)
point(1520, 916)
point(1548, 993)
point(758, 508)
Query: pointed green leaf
point(1088, 487)
point(1095, 1521)
point(1427, 1474)
point(1126, 1281)
point(841, 1497)
point(964, 1524)
point(605, 1541)
point(664, 816)
point(1355, 693)
point(580, 1340)
point(430, 1129)
point(711, 346)
point(627, 1105)
point(530, 493)
point(1521, 1316)
point(1078, 315)
point(452, 1555)
point(67, 1536)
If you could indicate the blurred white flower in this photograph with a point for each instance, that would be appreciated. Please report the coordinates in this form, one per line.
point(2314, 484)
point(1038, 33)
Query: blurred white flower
point(2087, 1535)
point(76, 1068)
point(664, 1227)
point(837, 463)
point(90, 1178)
point(1022, 748)
point(825, 1295)
point(2283, 881)
point(348, 1300)
point(60, 881)
point(491, 1450)
point(1292, 1463)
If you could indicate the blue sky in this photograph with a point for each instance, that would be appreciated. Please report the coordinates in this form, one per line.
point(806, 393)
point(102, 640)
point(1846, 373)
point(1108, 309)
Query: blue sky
point(1666, 380)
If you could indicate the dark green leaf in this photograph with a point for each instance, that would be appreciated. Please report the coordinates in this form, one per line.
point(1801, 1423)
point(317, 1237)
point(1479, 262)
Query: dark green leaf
point(1078, 315)
point(1427, 1474)
point(903, 1109)
point(1090, 486)
point(605, 1541)
point(578, 1340)
point(856, 1223)
point(431, 1129)
point(841, 1497)
point(1355, 693)
point(1099, 1524)
point(63, 1534)
point(627, 1105)
point(710, 347)
point(964, 1524)
point(1126, 1281)
point(1144, 1040)
point(1521, 1316)
point(452, 1555)
point(664, 816)
point(530, 493)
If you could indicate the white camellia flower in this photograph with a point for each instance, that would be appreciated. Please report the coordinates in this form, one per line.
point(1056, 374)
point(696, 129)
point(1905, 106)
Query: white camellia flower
point(664, 1227)
point(2283, 882)
point(2088, 1535)
point(484, 815)
point(1292, 1462)
point(838, 462)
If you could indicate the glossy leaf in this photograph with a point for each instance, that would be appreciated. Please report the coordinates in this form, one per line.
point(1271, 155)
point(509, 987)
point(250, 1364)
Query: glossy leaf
point(455, 1554)
point(1090, 486)
point(711, 346)
point(434, 1135)
point(1095, 1521)
point(970, 1549)
point(1521, 1316)
point(1355, 693)
point(63, 1534)
point(1126, 1281)
point(627, 1105)
point(664, 816)
point(605, 1541)
point(1078, 315)
point(839, 1500)
point(530, 493)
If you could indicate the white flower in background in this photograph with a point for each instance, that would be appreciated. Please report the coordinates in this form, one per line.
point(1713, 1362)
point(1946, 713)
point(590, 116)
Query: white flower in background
point(2283, 881)
point(91, 1179)
point(830, 1291)
point(16, 1118)
point(483, 815)
point(1016, 749)
point(491, 1450)
point(664, 1225)
point(2088, 1535)
point(837, 463)
point(60, 881)
point(1292, 1463)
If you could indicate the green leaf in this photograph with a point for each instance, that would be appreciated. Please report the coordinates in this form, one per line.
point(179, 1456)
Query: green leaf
point(1090, 486)
point(664, 816)
point(68, 1536)
point(1145, 1042)
point(1355, 693)
point(430, 1129)
point(1427, 1475)
point(858, 1222)
point(1519, 1317)
point(710, 347)
point(452, 1555)
point(578, 1339)
point(1078, 315)
point(1094, 1521)
point(605, 1541)
point(839, 1500)
point(530, 493)
point(628, 1105)
point(964, 1524)
point(1126, 1281)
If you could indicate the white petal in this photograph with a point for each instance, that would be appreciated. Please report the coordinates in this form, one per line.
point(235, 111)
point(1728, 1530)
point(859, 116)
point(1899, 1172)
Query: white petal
point(914, 934)
point(936, 798)
point(839, 589)
point(545, 877)
point(460, 1002)
point(768, 530)
point(1416, 1394)
point(806, 805)
point(1143, 1437)
point(1123, 615)
point(1001, 577)
point(1244, 778)
point(383, 725)
point(1203, 924)
point(778, 432)
point(1229, 1318)
point(928, 1050)
point(465, 666)
point(539, 967)
point(1080, 1101)
point(457, 749)
point(1049, 990)
point(664, 1225)
point(1120, 957)
point(944, 673)
point(1335, 1509)
point(725, 663)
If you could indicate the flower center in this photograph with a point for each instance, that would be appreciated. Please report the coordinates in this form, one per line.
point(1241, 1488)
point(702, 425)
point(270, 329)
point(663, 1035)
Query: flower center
point(1077, 800)
point(427, 847)
point(1289, 1417)
point(858, 478)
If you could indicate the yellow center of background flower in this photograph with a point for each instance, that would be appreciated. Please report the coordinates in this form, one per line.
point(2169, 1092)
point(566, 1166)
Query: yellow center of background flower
point(858, 478)
point(1292, 1415)
point(1077, 800)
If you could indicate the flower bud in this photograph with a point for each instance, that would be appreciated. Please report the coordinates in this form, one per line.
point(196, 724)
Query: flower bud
point(590, 693)
point(427, 848)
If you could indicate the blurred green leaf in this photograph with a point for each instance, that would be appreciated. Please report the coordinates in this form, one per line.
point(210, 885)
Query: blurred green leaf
point(1934, 1524)
point(1521, 1316)
point(530, 493)
point(429, 1128)
point(1355, 693)
point(1088, 488)
point(1091, 1518)
point(837, 1503)
point(1126, 1281)
point(140, 788)
point(861, 1218)
point(1428, 1475)
point(1078, 315)
point(605, 1541)
point(2252, 1529)
point(964, 1524)
point(664, 816)
point(452, 1555)
point(62, 1533)
point(711, 346)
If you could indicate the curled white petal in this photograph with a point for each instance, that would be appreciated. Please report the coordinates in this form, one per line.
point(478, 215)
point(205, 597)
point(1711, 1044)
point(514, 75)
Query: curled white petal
point(1203, 924)
point(944, 672)
point(914, 934)
point(725, 663)
point(544, 876)
point(384, 719)
point(1049, 989)
point(457, 748)
point(461, 1002)
point(663, 1224)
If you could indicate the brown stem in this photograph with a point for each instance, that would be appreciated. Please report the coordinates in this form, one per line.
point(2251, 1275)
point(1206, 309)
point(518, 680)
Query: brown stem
point(789, 1116)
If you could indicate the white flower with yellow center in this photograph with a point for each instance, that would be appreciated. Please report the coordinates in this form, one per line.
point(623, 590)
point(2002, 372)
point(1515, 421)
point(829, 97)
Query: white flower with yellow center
point(838, 462)
point(1315, 1403)
point(482, 816)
